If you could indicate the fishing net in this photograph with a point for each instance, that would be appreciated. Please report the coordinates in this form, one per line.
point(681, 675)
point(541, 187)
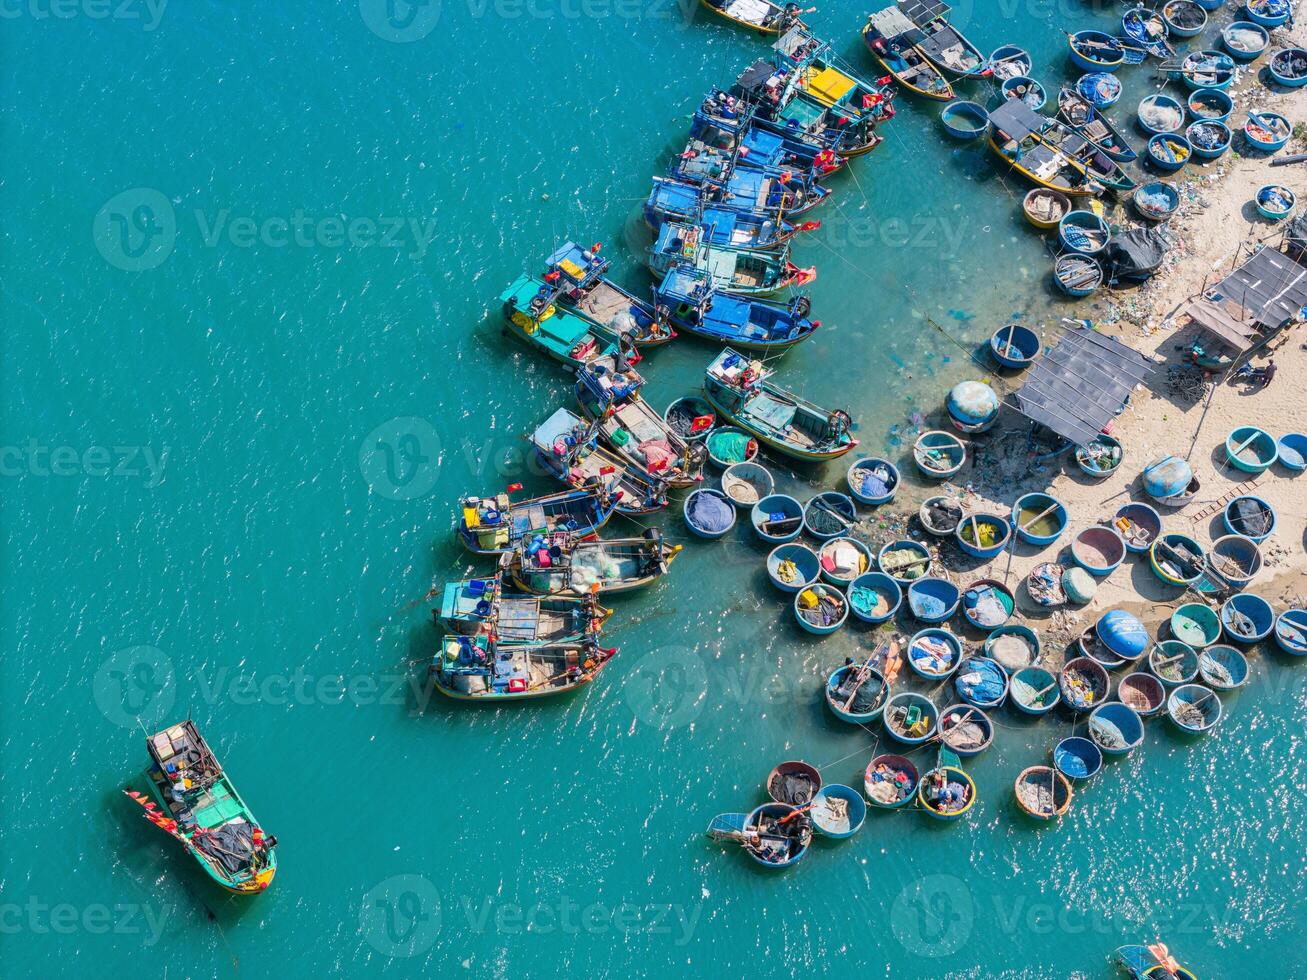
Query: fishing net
point(684, 420)
point(731, 447)
point(866, 692)
point(982, 680)
point(794, 788)
point(822, 518)
point(1216, 672)
point(1107, 734)
point(1161, 117)
point(231, 845)
point(1036, 792)
point(944, 515)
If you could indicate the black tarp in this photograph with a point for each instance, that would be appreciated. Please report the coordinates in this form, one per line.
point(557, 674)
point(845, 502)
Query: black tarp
point(231, 845)
point(1080, 384)
point(753, 78)
point(1134, 255)
point(1017, 119)
point(1295, 236)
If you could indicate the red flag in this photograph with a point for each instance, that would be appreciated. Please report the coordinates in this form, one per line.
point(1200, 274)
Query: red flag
point(596, 247)
point(810, 226)
point(607, 470)
point(513, 487)
point(701, 422)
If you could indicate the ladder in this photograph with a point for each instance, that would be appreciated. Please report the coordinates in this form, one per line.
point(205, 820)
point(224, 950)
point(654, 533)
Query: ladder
point(1213, 506)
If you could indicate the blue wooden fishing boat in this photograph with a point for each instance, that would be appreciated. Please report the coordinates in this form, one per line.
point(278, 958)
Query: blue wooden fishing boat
point(1026, 89)
point(1098, 550)
point(964, 120)
point(793, 567)
point(477, 668)
point(1247, 618)
point(1160, 113)
point(1084, 232)
point(905, 561)
point(1077, 758)
point(1194, 709)
point(730, 223)
point(1173, 662)
point(829, 514)
point(747, 483)
point(1147, 28)
point(1267, 131)
point(1095, 51)
point(568, 449)
point(821, 608)
point(689, 300)
point(1116, 728)
point(533, 316)
point(580, 277)
point(1156, 200)
point(1077, 275)
point(873, 480)
point(1123, 634)
point(1291, 632)
point(763, 16)
point(1089, 121)
point(1042, 792)
point(843, 559)
point(933, 600)
point(1152, 963)
point(1184, 18)
point(943, 43)
point(1144, 693)
point(478, 607)
point(934, 653)
point(1009, 61)
point(1289, 67)
point(966, 730)
point(1210, 104)
point(910, 718)
point(972, 406)
point(874, 597)
point(1251, 449)
point(708, 513)
point(1223, 668)
point(1196, 624)
point(1275, 202)
point(1245, 40)
point(939, 454)
point(1293, 451)
point(1015, 346)
point(777, 519)
point(1206, 69)
point(892, 40)
point(745, 272)
point(1234, 560)
point(691, 417)
point(564, 564)
point(729, 124)
point(777, 835)
point(1169, 151)
point(947, 792)
point(890, 781)
point(838, 821)
point(1034, 690)
point(1084, 684)
point(983, 535)
point(1250, 516)
point(1177, 559)
point(982, 682)
point(1209, 138)
point(741, 391)
point(857, 692)
point(1268, 13)
point(987, 604)
point(1013, 646)
point(496, 525)
point(1046, 152)
point(1168, 477)
point(1099, 88)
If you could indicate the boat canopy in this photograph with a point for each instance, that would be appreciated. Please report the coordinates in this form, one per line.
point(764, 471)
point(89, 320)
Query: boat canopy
point(685, 285)
point(892, 23)
point(558, 426)
point(798, 45)
point(757, 78)
point(922, 12)
point(1081, 384)
point(1017, 120)
point(578, 264)
point(1269, 284)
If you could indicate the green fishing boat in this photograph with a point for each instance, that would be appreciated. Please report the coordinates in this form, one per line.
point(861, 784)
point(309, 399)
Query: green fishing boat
point(534, 317)
point(740, 271)
point(196, 803)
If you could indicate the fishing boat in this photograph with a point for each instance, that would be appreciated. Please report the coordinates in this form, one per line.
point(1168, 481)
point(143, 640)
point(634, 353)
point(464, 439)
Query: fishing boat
point(843, 559)
point(793, 567)
point(1152, 963)
point(1084, 683)
point(1025, 89)
point(1234, 560)
point(1084, 232)
point(724, 146)
point(892, 39)
point(964, 120)
point(732, 223)
point(740, 389)
point(1206, 69)
point(1089, 645)
point(560, 563)
point(939, 454)
point(1077, 275)
point(1170, 481)
point(1169, 151)
point(1251, 449)
point(690, 300)
point(1148, 29)
point(708, 513)
point(947, 792)
point(857, 692)
point(1123, 634)
point(987, 604)
point(1098, 549)
point(534, 317)
point(821, 609)
point(1209, 138)
point(822, 76)
point(1196, 624)
point(478, 668)
point(837, 811)
point(1184, 18)
point(744, 272)
point(1268, 13)
point(1173, 662)
point(1250, 516)
point(1245, 40)
point(874, 597)
point(1293, 451)
point(745, 484)
point(941, 42)
point(1291, 632)
point(1010, 61)
point(1267, 131)
point(196, 803)
point(478, 607)
point(1275, 202)
point(829, 514)
point(1034, 690)
point(1160, 113)
point(568, 449)
point(1143, 693)
point(873, 480)
point(1194, 709)
point(1101, 457)
point(1099, 88)
point(890, 781)
point(1044, 207)
point(496, 525)
point(910, 718)
point(691, 417)
point(1210, 104)
point(778, 518)
point(933, 600)
point(905, 561)
point(794, 783)
point(763, 16)
point(776, 835)
point(940, 515)
point(1042, 150)
point(982, 682)
point(1177, 559)
point(1095, 51)
point(1116, 728)
point(1086, 119)
point(934, 653)
point(1013, 647)
point(983, 535)
point(1077, 758)
point(1223, 668)
point(966, 730)
point(1043, 792)
point(580, 276)
point(1156, 200)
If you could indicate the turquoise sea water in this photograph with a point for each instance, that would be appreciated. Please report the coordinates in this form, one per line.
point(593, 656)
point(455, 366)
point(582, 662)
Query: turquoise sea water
point(236, 425)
